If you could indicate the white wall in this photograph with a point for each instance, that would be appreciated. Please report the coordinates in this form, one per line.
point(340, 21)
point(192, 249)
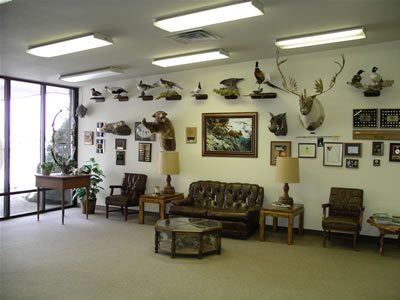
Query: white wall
point(381, 185)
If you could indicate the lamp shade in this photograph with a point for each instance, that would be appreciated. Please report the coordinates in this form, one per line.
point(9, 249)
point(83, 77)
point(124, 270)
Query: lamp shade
point(287, 170)
point(169, 162)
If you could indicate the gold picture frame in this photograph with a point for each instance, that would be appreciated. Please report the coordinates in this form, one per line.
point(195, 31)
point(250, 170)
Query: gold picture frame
point(279, 149)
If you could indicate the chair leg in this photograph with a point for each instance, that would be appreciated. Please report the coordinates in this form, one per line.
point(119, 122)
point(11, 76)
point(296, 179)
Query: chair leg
point(106, 211)
point(355, 241)
point(126, 213)
point(122, 210)
point(324, 238)
point(329, 235)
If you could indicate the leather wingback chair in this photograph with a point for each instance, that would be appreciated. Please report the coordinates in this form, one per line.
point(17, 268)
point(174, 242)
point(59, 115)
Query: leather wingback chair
point(133, 185)
point(345, 212)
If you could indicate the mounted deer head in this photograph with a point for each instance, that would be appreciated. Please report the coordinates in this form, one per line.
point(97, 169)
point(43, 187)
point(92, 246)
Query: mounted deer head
point(311, 111)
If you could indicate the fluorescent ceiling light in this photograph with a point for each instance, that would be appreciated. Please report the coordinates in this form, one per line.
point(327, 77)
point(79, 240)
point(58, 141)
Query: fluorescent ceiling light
point(209, 16)
point(191, 58)
point(4, 1)
point(321, 38)
point(71, 45)
point(93, 74)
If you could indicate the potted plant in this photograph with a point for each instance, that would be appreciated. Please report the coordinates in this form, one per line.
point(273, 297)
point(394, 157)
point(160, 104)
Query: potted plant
point(47, 167)
point(90, 167)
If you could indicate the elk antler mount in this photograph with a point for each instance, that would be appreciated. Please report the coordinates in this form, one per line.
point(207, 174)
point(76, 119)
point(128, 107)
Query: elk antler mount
point(311, 112)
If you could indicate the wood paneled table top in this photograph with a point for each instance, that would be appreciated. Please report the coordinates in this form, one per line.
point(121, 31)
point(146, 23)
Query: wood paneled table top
point(62, 182)
point(160, 199)
point(277, 212)
point(384, 229)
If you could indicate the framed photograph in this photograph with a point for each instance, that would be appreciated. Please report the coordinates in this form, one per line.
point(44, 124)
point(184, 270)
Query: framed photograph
point(377, 148)
point(229, 134)
point(352, 149)
point(279, 149)
point(120, 158)
point(145, 152)
point(333, 154)
point(88, 137)
point(307, 150)
point(376, 162)
point(120, 144)
point(394, 152)
point(100, 146)
point(99, 125)
point(143, 134)
point(352, 163)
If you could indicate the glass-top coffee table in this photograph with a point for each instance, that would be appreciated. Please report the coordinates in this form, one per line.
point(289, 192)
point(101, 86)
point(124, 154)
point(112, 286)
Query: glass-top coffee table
point(193, 236)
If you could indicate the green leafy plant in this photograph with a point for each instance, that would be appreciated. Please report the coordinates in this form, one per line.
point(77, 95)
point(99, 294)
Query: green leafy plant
point(90, 167)
point(48, 166)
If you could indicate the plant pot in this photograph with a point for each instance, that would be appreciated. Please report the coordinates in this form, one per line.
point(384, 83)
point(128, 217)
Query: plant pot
point(91, 206)
point(45, 172)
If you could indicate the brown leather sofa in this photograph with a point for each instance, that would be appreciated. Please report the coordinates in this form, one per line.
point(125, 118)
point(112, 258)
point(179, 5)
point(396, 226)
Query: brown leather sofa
point(236, 205)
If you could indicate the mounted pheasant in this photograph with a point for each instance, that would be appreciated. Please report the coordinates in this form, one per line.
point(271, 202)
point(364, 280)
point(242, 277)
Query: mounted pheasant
point(312, 114)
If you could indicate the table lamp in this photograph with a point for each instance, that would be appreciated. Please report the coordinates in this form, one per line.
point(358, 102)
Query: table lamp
point(169, 165)
point(287, 171)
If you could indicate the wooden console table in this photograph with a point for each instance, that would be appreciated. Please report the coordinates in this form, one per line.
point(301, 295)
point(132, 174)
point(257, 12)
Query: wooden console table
point(289, 213)
point(384, 229)
point(161, 199)
point(62, 182)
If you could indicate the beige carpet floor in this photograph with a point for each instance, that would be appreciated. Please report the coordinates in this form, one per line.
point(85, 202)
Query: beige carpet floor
point(114, 259)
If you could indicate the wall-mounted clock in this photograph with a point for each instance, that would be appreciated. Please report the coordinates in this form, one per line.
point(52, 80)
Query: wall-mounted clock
point(366, 118)
point(390, 118)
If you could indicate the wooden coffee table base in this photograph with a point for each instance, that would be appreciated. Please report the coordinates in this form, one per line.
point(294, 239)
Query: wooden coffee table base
point(384, 229)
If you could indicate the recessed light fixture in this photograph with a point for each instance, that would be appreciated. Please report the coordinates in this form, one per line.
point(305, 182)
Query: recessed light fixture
point(321, 38)
point(76, 44)
point(93, 74)
point(209, 16)
point(190, 58)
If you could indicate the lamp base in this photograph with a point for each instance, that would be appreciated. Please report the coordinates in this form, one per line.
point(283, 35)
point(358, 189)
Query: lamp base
point(286, 201)
point(168, 190)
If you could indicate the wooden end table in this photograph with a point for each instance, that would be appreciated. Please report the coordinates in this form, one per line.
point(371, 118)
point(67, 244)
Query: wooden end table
point(289, 213)
point(62, 182)
point(384, 229)
point(160, 199)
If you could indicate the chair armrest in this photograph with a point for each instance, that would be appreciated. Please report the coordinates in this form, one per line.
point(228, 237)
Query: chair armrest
point(184, 201)
point(112, 187)
point(324, 206)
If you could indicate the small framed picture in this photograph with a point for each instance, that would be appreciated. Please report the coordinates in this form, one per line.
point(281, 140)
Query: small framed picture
point(307, 150)
point(352, 149)
point(88, 137)
point(352, 163)
point(376, 162)
point(143, 134)
point(377, 148)
point(120, 144)
point(279, 149)
point(145, 152)
point(333, 154)
point(120, 158)
point(191, 135)
point(100, 146)
point(394, 152)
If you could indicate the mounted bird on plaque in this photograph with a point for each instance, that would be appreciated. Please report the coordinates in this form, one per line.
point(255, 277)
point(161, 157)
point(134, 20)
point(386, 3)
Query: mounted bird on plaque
point(144, 88)
point(118, 92)
point(96, 96)
point(374, 89)
point(198, 94)
point(230, 91)
point(170, 94)
point(260, 79)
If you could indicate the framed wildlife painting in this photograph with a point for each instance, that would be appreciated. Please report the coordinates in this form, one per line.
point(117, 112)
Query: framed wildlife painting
point(279, 149)
point(333, 154)
point(229, 134)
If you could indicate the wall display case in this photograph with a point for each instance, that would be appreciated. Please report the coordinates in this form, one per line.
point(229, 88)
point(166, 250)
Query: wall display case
point(390, 118)
point(365, 118)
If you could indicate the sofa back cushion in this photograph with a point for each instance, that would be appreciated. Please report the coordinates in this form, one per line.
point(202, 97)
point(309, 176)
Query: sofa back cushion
point(205, 193)
point(345, 202)
point(241, 196)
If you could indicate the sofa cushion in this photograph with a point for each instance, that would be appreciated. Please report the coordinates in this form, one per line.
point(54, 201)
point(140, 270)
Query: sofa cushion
point(340, 223)
point(206, 193)
point(240, 195)
point(188, 210)
point(228, 214)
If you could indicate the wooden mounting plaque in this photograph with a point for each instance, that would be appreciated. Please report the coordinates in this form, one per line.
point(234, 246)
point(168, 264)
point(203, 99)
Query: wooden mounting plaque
point(376, 134)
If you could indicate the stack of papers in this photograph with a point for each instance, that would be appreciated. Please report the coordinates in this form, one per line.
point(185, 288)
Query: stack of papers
point(382, 217)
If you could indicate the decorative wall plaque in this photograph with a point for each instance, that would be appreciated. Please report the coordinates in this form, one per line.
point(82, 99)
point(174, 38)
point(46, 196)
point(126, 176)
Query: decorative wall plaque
point(365, 118)
point(390, 118)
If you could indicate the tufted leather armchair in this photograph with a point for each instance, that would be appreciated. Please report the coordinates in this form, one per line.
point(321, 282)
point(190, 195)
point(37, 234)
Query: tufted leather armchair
point(236, 205)
point(345, 212)
point(133, 185)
